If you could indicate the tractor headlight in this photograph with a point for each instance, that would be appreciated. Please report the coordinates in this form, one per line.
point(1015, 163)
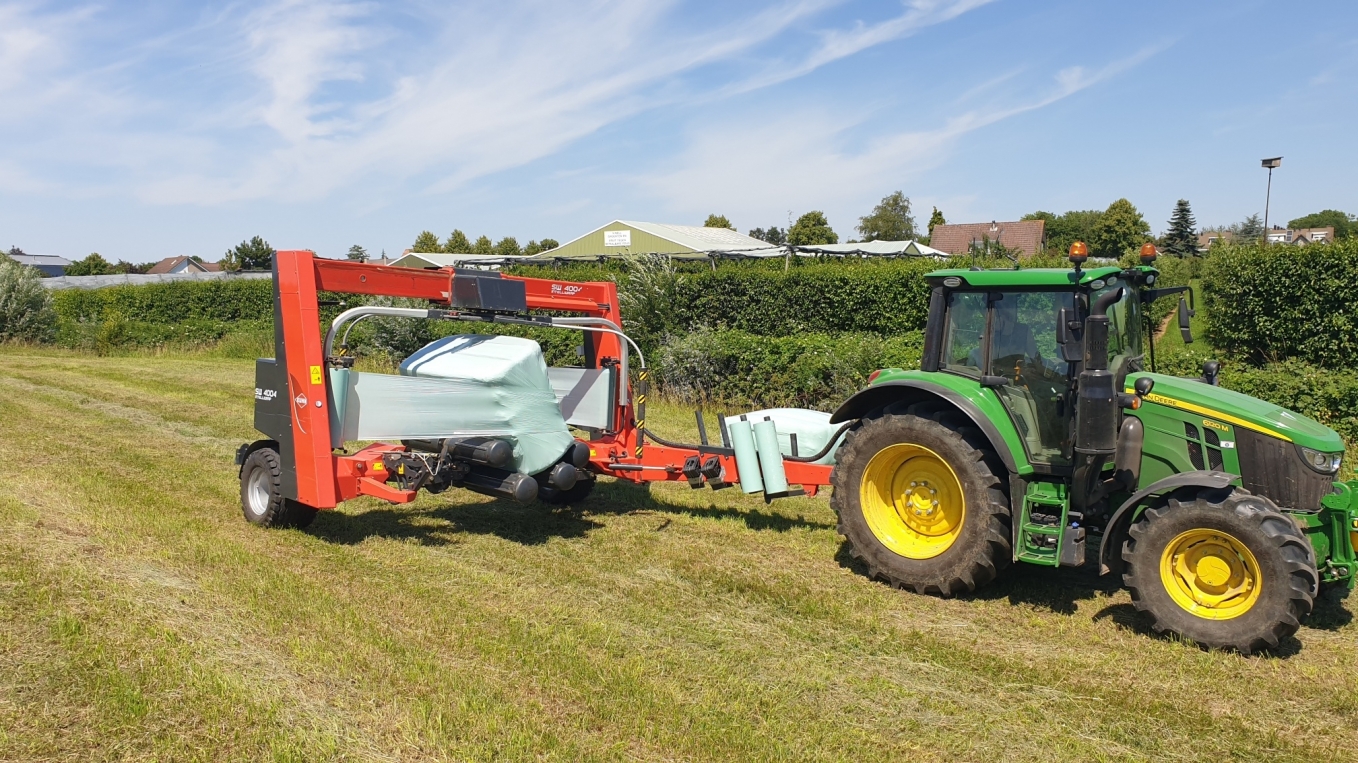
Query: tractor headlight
point(1325, 463)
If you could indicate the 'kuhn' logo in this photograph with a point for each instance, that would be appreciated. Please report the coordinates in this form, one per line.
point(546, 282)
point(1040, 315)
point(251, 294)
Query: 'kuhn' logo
point(267, 395)
point(567, 289)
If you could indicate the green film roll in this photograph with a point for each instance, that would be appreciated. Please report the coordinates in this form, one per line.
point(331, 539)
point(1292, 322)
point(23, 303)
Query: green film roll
point(770, 458)
point(747, 457)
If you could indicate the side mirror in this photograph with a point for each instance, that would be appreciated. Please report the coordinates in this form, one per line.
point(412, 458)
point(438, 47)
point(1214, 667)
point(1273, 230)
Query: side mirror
point(1143, 386)
point(1210, 370)
point(1184, 314)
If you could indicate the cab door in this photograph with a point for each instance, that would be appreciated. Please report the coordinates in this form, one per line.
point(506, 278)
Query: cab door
point(1013, 334)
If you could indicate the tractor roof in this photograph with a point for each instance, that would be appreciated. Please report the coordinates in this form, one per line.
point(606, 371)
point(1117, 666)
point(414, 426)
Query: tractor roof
point(1028, 277)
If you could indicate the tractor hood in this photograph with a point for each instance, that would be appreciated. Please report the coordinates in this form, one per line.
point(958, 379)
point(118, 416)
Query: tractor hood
point(1241, 410)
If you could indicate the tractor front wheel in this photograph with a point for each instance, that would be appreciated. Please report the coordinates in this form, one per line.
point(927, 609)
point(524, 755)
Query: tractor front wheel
point(1225, 569)
point(920, 501)
point(261, 493)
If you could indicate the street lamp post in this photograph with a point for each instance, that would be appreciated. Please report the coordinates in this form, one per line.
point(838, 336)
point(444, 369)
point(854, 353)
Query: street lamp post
point(1270, 164)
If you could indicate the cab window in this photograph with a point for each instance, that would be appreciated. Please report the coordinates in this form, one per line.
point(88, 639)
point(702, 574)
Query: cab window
point(962, 342)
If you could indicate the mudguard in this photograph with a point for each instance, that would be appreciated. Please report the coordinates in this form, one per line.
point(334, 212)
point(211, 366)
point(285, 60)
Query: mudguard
point(914, 390)
point(1116, 529)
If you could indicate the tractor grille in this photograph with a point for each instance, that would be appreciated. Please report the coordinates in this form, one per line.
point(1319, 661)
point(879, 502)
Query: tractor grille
point(1274, 469)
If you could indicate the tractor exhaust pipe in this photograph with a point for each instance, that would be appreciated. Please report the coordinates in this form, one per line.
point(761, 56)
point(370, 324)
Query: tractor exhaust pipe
point(1096, 411)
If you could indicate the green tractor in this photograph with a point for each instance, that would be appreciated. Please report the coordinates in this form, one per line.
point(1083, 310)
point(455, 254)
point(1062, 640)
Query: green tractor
point(1033, 428)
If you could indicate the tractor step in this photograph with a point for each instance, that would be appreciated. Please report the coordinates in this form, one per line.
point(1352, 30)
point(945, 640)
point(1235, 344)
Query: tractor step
point(1047, 532)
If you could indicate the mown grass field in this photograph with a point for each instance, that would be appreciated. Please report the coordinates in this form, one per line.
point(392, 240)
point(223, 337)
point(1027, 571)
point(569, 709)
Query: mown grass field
point(144, 619)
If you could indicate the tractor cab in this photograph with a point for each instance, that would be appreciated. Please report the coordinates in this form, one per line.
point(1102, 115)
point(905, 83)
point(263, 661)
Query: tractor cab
point(1020, 334)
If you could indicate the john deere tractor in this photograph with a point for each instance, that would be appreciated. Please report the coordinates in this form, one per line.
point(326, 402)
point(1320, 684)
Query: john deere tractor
point(1033, 429)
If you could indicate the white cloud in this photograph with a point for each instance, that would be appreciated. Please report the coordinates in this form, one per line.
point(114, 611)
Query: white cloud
point(20, 45)
point(300, 45)
point(838, 44)
point(800, 159)
point(295, 99)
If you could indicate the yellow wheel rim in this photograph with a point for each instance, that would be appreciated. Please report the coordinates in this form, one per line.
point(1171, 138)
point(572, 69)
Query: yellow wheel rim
point(1211, 574)
point(912, 501)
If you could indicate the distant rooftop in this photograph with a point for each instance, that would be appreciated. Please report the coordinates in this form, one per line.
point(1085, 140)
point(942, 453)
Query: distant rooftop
point(1024, 235)
point(40, 260)
point(699, 238)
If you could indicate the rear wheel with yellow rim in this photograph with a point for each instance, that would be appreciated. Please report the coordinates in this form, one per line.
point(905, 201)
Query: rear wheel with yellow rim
point(1222, 568)
point(921, 501)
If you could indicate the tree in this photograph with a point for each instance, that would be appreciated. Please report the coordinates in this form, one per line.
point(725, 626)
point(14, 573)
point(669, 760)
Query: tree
point(26, 312)
point(774, 235)
point(718, 221)
point(1344, 225)
point(1063, 230)
point(426, 243)
point(548, 244)
point(14, 251)
point(357, 253)
point(229, 262)
point(1120, 228)
point(457, 243)
point(1250, 231)
point(483, 245)
point(935, 220)
point(123, 266)
point(812, 229)
point(890, 220)
point(508, 247)
point(93, 265)
point(255, 254)
point(1182, 238)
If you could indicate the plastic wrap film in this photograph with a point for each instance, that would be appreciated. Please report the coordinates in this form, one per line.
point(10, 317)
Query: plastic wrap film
point(770, 458)
point(813, 430)
point(747, 457)
point(462, 386)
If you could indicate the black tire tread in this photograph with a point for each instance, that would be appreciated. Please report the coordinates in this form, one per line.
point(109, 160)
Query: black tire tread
point(1279, 535)
point(281, 512)
point(939, 576)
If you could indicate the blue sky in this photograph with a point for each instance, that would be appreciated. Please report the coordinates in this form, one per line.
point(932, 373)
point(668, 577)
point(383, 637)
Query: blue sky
point(144, 130)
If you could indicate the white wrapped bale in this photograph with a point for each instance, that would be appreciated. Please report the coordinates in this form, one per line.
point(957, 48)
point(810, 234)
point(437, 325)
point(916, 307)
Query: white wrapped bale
point(468, 385)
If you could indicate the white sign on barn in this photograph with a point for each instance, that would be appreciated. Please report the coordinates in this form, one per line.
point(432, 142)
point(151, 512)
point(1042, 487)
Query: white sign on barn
point(617, 238)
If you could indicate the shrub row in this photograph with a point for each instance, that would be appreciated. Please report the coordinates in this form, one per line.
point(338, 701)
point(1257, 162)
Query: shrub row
point(170, 302)
point(806, 371)
point(761, 297)
point(885, 297)
point(1271, 303)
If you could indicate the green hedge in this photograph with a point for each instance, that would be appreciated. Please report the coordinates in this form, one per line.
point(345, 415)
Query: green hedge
point(1330, 397)
point(805, 371)
point(170, 302)
point(774, 298)
point(882, 297)
point(1271, 303)
point(885, 297)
